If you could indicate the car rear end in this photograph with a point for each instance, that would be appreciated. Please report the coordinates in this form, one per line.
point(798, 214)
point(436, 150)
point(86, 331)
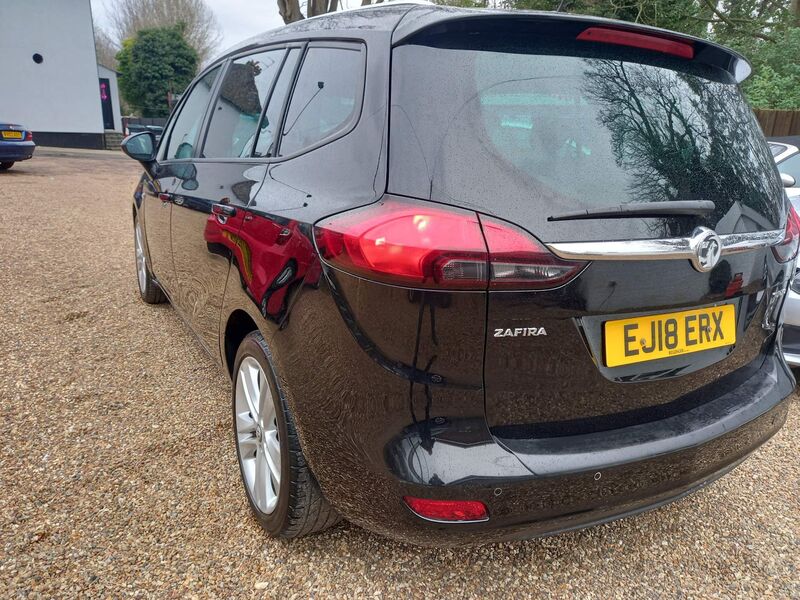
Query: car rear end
point(564, 351)
point(16, 143)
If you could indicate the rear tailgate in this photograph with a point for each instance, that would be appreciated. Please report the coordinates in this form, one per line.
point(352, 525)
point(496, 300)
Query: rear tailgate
point(533, 122)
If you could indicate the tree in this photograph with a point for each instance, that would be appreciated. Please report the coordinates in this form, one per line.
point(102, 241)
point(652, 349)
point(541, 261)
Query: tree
point(290, 10)
point(105, 49)
point(201, 29)
point(153, 64)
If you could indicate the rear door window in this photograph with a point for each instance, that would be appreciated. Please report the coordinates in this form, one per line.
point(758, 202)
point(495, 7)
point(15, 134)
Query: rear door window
point(243, 94)
point(326, 97)
point(184, 133)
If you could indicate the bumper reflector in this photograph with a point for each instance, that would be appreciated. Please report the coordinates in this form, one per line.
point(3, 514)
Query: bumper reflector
point(448, 510)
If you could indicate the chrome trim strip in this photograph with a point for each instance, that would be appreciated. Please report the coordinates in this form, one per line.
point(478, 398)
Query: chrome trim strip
point(793, 360)
point(663, 249)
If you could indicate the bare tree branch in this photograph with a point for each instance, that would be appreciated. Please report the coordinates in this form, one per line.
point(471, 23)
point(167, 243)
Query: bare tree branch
point(201, 27)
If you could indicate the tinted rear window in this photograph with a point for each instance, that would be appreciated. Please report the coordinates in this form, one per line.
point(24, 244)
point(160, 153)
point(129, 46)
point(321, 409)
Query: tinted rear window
point(527, 132)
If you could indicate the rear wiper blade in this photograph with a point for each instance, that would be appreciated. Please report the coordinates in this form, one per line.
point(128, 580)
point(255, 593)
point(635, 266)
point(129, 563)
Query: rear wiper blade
point(670, 208)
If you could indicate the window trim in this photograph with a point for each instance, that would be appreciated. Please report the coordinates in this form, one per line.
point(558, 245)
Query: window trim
point(284, 106)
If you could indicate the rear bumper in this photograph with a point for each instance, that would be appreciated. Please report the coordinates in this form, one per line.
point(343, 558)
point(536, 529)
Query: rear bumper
point(16, 151)
point(379, 421)
point(581, 488)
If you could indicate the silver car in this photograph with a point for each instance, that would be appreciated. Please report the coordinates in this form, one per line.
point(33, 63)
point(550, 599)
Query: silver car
point(786, 152)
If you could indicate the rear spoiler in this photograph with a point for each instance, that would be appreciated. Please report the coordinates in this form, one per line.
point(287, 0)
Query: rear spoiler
point(424, 21)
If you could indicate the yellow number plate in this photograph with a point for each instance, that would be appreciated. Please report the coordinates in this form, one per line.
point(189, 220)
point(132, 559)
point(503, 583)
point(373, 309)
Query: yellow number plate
point(11, 135)
point(629, 341)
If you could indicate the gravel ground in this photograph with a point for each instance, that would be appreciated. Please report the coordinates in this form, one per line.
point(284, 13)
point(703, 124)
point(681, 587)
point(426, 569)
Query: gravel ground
point(118, 471)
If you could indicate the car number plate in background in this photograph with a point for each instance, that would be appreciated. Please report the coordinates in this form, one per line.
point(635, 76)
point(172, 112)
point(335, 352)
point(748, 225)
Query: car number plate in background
point(629, 341)
point(11, 135)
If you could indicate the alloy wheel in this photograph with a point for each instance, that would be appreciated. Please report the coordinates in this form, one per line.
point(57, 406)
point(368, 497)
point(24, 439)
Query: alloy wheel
point(257, 435)
point(141, 264)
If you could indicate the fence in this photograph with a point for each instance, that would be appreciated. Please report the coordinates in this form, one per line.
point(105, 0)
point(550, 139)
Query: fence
point(776, 123)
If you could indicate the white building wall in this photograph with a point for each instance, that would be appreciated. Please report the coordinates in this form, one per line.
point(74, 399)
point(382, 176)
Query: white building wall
point(61, 94)
point(112, 79)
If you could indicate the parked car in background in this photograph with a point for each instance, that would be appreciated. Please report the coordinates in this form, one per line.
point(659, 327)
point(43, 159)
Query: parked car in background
point(16, 144)
point(786, 151)
point(157, 130)
point(458, 304)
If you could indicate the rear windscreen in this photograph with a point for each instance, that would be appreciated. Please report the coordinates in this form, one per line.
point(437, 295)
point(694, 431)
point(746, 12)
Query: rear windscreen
point(526, 132)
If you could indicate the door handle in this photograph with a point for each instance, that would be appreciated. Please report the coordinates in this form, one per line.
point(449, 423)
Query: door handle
point(165, 197)
point(223, 210)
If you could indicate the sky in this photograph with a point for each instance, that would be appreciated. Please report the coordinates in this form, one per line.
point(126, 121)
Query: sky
point(238, 19)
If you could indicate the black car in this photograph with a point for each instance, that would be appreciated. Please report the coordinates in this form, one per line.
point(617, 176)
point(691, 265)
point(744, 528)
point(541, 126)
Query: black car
point(475, 275)
point(16, 144)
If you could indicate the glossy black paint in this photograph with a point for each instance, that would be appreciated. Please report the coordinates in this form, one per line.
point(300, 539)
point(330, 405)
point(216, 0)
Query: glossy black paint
point(398, 391)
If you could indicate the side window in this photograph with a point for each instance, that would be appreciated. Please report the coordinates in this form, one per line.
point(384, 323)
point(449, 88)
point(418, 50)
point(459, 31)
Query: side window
point(325, 97)
point(791, 166)
point(267, 135)
point(242, 96)
point(183, 136)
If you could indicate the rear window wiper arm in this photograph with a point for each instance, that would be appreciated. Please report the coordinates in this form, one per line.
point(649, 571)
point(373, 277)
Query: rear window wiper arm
point(670, 208)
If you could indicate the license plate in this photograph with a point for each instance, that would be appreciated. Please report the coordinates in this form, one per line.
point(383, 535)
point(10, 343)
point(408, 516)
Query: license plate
point(11, 135)
point(639, 339)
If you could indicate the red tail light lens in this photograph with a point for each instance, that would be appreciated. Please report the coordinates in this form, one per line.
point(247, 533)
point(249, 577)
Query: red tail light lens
point(28, 136)
point(448, 510)
point(637, 40)
point(786, 250)
point(517, 260)
point(415, 244)
point(420, 244)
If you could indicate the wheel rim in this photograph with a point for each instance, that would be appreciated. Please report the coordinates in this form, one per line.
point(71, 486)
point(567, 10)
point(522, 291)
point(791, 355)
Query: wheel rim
point(257, 435)
point(141, 265)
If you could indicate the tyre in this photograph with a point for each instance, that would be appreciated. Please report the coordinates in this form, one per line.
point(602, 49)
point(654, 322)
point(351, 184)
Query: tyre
point(281, 489)
point(6, 165)
point(148, 288)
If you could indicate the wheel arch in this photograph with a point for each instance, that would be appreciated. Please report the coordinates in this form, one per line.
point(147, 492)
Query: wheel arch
point(238, 325)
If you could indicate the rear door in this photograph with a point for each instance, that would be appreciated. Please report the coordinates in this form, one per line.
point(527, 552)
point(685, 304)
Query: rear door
point(540, 123)
point(220, 180)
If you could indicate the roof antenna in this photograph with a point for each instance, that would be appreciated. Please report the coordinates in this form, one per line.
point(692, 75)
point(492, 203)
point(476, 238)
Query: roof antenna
point(561, 6)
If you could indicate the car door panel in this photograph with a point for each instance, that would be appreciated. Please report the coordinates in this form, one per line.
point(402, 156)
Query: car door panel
point(200, 238)
point(157, 217)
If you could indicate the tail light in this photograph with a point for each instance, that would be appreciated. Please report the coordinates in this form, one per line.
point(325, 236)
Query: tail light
point(645, 41)
point(411, 244)
point(786, 250)
point(28, 136)
point(448, 510)
point(517, 260)
point(420, 244)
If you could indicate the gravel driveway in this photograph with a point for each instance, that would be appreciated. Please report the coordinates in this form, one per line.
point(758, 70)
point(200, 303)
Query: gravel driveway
point(118, 472)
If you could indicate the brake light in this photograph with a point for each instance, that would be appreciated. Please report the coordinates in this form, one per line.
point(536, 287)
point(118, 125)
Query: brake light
point(645, 41)
point(420, 244)
point(517, 260)
point(786, 250)
point(448, 510)
point(28, 136)
point(415, 244)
